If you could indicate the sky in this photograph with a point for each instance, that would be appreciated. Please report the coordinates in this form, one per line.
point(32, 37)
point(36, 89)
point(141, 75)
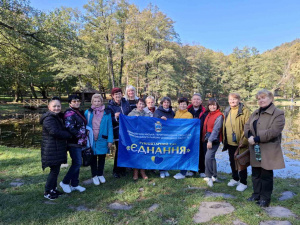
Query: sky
point(220, 25)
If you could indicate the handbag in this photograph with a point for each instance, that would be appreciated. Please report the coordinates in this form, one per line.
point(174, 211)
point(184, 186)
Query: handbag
point(87, 155)
point(242, 161)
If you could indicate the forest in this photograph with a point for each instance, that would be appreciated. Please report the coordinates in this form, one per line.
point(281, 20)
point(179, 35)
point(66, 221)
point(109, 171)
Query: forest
point(112, 43)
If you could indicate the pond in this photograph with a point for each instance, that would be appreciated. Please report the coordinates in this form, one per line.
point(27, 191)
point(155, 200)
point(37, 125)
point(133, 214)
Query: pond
point(27, 132)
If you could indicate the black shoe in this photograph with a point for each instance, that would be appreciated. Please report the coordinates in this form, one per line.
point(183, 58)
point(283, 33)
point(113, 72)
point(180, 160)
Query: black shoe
point(50, 195)
point(264, 203)
point(252, 199)
point(116, 175)
point(57, 192)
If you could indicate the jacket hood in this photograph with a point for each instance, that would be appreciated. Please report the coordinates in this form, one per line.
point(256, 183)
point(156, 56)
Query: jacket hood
point(49, 113)
point(162, 109)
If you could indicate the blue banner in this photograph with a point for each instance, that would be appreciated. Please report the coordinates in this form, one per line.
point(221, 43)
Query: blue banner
point(152, 143)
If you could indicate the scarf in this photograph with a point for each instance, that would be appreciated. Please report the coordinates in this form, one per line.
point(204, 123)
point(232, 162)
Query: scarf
point(152, 109)
point(98, 113)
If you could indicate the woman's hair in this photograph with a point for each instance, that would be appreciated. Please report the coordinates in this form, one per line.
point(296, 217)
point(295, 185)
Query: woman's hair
point(96, 96)
point(183, 99)
point(54, 98)
point(141, 100)
point(130, 87)
point(115, 90)
point(197, 94)
point(235, 95)
point(72, 97)
point(165, 99)
point(149, 98)
point(265, 92)
point(212, 101)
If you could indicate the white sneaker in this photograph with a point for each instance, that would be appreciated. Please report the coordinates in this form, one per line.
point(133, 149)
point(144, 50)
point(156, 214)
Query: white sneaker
point(66, 188)
point(210, 182)
point(78, 188)
point(167, 174)
point(102, 179)
point(96, 180)
point(241, 187)
point(202, 175)
point(214, 179)
point(189, 174)
point(179, 176)
point(232, 183)
point(162, 174)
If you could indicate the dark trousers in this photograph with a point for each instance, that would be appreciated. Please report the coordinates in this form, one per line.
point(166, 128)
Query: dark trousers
point(51, 182)
point(262, 183)
point(117, 169)
point(97, 165)
point(73, 173)
point(236, 175)
point(202, 157)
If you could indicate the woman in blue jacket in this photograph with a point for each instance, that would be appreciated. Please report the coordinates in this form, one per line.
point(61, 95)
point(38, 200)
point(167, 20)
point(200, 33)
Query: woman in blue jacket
point(99, 124)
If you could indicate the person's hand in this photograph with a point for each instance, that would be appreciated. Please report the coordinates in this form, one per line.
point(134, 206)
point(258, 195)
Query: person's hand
point(163, 118)
point(109, 145)
point(209, 145)
point(251, 140)
point(117, 114)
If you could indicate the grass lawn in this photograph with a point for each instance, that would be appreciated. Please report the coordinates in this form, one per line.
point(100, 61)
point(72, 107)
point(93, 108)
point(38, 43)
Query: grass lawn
point(177, 203)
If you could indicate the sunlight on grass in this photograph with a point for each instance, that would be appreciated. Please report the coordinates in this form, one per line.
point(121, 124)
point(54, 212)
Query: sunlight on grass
point(178, 200)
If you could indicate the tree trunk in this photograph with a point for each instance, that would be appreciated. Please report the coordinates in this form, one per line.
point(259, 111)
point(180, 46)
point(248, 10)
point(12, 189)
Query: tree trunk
point(44, 93)
point(33, 91)
point(110, 62)
point(121, 60)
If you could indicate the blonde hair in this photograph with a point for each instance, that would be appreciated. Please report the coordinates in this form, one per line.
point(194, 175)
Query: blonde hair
point(96, 96)
point(235, 95)
point(149, 98)
point(130, 87)
point(265, 92)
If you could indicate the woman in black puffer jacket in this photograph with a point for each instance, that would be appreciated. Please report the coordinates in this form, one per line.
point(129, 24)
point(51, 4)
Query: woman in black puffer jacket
point(54, 146)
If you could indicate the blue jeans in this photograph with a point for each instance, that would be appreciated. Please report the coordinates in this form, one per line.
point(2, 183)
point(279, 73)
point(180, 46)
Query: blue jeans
point(73, 173)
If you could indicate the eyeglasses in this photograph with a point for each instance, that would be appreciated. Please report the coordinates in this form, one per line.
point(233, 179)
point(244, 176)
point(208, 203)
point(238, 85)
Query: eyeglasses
point(75, 101)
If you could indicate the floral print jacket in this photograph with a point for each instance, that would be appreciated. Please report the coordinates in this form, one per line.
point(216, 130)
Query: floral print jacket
point(75, 124)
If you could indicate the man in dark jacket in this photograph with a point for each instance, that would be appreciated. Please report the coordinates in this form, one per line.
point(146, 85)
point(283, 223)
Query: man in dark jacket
point(198, 111)
point(75, 123)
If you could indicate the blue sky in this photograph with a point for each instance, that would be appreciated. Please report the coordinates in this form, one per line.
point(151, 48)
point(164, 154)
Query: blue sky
point(220, 25)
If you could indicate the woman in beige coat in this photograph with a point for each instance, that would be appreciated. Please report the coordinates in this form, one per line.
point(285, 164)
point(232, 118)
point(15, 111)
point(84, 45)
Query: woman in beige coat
point(263, 131)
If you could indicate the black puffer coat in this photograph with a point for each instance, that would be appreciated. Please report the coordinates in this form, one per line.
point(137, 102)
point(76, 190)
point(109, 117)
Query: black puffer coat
point(54, 140)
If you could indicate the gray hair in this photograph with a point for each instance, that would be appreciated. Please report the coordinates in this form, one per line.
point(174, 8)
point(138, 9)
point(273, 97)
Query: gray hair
point(130, 87)
point(266, 93)
point(197, 94)
point(165, 99)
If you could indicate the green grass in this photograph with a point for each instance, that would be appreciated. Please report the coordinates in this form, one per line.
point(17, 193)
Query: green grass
point(177, 205)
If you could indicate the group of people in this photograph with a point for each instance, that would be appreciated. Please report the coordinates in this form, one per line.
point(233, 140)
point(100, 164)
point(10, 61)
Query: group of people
point(98, 128)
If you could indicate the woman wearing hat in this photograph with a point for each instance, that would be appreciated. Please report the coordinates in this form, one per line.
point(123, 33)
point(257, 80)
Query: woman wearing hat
point(118, 105)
